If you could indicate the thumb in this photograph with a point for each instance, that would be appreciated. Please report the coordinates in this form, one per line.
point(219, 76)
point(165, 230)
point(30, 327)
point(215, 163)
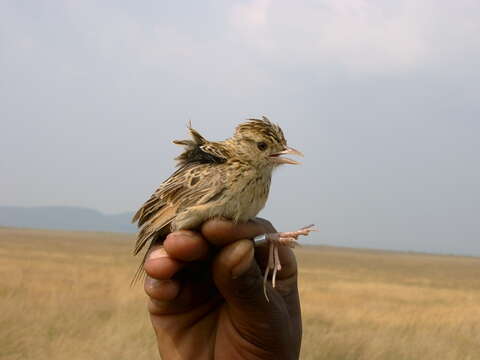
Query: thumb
point(238, 277)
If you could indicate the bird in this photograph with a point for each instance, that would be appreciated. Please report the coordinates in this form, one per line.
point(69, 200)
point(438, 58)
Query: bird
point(219, 179)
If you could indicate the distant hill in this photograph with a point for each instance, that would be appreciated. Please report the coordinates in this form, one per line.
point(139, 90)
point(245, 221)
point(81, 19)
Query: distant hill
point(67, 218)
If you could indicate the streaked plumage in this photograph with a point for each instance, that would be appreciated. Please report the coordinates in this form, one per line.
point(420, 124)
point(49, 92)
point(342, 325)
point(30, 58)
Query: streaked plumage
point(229, 179)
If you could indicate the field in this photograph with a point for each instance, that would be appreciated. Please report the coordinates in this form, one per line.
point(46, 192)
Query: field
point(66, 295)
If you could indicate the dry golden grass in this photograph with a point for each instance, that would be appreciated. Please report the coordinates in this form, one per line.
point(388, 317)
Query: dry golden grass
point(66, 295)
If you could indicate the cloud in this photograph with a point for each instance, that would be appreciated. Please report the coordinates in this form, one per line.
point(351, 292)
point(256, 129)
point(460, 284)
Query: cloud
point(251, 14)
point(359, 35)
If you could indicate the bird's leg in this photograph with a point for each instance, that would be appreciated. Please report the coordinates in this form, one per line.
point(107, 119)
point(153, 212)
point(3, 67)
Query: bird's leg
point(275, 240)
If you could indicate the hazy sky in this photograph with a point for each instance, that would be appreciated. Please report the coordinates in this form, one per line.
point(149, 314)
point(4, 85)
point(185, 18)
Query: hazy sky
point(381, 96)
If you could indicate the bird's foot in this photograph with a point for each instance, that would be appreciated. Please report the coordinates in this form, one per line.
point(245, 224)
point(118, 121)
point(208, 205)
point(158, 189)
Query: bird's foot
point(276, 240)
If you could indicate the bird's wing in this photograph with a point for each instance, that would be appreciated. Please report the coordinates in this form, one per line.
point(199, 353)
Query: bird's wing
point(192, 184)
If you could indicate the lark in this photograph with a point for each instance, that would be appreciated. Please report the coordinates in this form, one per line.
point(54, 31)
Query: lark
point(228, 179)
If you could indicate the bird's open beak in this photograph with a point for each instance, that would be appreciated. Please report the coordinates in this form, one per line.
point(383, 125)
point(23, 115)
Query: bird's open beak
point(276, 158)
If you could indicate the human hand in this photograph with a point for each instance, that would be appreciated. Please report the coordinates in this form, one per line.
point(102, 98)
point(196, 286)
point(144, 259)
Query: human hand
point(206, 298)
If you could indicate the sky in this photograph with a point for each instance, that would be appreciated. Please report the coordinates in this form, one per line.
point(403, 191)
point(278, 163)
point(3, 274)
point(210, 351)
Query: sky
point(382, 97)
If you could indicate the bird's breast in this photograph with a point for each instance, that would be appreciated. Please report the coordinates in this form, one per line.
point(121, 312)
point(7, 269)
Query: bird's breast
point(249, 196)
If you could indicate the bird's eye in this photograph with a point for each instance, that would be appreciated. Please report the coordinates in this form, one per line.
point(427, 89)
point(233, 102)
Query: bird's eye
point(262, 146)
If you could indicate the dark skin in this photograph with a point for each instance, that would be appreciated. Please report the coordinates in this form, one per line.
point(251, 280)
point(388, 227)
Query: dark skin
point(206, 297)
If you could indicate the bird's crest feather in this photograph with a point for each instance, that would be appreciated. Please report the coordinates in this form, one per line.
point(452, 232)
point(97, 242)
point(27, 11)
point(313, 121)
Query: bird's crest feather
point(263, 126)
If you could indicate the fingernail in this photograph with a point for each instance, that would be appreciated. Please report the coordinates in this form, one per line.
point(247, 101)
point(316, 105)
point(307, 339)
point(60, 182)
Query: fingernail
point(245, 247)
point(157, 253)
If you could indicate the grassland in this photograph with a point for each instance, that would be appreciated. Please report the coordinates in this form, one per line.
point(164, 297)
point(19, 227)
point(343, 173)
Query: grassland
point(66, 295)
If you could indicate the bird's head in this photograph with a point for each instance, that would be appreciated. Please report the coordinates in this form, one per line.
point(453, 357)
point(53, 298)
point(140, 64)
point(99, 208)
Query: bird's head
point(262, 143)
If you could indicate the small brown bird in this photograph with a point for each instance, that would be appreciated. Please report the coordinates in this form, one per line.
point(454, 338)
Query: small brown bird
point(229, 179)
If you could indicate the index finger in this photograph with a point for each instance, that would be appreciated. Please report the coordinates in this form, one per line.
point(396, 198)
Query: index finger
point(222, 232)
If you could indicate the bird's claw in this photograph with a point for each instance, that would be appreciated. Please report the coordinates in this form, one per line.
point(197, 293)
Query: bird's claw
point(276, 240)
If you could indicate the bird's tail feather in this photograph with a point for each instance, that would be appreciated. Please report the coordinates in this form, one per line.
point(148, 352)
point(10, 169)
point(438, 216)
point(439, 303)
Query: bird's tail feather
point(140, 274)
